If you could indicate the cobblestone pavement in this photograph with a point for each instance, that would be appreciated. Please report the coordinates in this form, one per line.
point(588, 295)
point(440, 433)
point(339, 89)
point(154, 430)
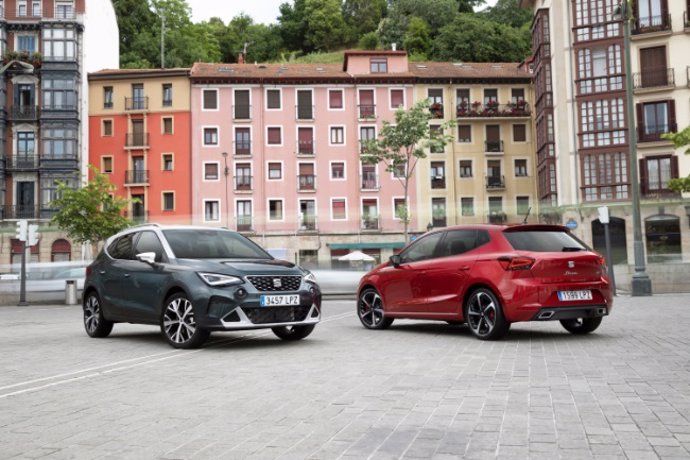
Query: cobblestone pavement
point(417, 390)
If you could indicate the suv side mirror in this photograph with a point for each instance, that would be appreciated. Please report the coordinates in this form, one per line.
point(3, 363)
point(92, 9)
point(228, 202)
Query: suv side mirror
point(395, 260)
point(148, 257)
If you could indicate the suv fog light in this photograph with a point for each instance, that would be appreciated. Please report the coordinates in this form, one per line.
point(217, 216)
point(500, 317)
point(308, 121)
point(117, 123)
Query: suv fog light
point(241, 293)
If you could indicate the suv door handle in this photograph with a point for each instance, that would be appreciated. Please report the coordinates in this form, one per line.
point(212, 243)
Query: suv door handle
point(126, 275)
point(463, 268)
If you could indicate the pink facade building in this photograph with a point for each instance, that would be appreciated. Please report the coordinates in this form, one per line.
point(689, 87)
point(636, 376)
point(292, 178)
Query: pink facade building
point(276, 153)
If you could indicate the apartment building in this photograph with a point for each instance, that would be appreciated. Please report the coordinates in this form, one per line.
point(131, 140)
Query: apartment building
point(581, 117)
point(139, 123)
point(41, 94)
point(487, 173)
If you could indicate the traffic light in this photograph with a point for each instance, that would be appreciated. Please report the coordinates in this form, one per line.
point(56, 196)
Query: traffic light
point(21, 230)
point(33, 236)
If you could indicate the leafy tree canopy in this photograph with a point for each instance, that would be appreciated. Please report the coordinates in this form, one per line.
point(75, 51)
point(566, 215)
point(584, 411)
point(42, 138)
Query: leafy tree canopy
point(508, 12)
point(680, 139)
point(325, 29)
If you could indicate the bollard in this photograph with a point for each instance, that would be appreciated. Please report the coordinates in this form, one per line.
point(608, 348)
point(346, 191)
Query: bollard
point(70, 292)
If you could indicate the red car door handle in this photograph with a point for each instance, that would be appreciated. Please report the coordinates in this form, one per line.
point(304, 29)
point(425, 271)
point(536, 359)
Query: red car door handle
point(462, 268)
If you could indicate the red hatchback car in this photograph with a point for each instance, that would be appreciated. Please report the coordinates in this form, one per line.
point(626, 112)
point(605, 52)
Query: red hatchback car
point(490, 276)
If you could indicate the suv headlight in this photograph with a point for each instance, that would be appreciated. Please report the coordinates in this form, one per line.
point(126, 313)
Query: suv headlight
point(216, 279)
point(310, 278)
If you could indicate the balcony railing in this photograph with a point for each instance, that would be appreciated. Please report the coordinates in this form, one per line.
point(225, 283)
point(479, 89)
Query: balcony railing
point(137, 140)
point(304, 112)
point(490, 110)
point(60, 107)
point(370, 181)
point(243, 147)
point(136, 176)
point(495, 182)
point(243, 183)
point(370, 223)
point(242, 112)
point(652, 133)
point(24, 112)
point(306, 182)
point(367, 111)
point(438, 222)
point(305, 147)
point(650, 24)
point(244, 223)
point(138, 216)
point(438, 182)
point(654, 78)
point(22, 162)
point(136, 103)
point(307, 223)
point(497, 217)
point(22, 211)
point(436, 110)
point(493, 146)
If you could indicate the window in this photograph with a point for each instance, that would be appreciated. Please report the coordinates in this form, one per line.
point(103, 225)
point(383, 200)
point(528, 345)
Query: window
point(337, 135)
point(167, 125)
point(167, 94)
point(437, 131)
point(210, 99)
point(464, 133)
point(467, 206)
point(399, 208)
point(305, 105)
point(243, 214)
point(517, 94)
point(274, 135)
point(167, 162)
point(465, 168)
point(243, 176)
point(397, 98)
point(367, 106)
point(338, 209)
point(490, 95)
point(211, 211)
point(438, 174)
point(338, 170)
point(107, 165)
point(519, 133)
point(520, 168)
point(168, 201)
point(521, 205)
point(242, 109)
point(107, 128)
point(60, 143)
point(107, 97)
point(335, 99)
point(378, 65)
point(59, 44)
point(61, 251)
point(367, 133)
point(26, 43)
point(462, 100)
point(438, 212)
point(21, 8)
point(422, 249)
point(210, 136)
point(36, 8)
point(655, 119)
point(211, 171)
point(495, 205)
point(59, 94)
point(243, 141)
point(275, 209)
point(273, 99)
point(64, 9)
point(275, 171)
point(655, 172)
point(25, 143)
point(305, 140)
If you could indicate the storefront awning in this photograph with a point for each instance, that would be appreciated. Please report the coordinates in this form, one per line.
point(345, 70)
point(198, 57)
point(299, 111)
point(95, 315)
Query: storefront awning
point(396, 245)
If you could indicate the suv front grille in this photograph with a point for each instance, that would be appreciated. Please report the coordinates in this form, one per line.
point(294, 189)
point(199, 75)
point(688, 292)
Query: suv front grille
point(268, 315)
point(275, 283)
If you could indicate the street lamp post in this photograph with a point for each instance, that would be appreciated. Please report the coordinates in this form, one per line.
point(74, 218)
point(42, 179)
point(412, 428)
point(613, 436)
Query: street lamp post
point(641, 284)
point(226, 171)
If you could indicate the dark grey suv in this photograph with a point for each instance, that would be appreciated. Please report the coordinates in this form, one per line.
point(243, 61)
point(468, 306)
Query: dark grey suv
point(194, 280)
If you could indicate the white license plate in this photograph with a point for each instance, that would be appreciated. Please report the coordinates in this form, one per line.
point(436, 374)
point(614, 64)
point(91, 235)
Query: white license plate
point(574, 295)
point(279, 300)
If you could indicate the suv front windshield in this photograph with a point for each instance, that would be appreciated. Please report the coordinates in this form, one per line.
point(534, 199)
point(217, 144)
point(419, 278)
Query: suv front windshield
point(212, 244)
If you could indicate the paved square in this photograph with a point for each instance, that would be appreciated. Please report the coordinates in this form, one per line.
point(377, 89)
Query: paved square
point(416, 390)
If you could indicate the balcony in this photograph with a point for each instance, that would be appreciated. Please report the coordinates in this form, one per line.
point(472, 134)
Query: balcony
point(244, 223)
point(243, 147)
point(369, 181)
point(438, 182)
point(24, 211)
point(436, 110)
point(306, 182)
point(304, 112)
point(243, 183)
point(23, 113)
point(137, 140)
point(493, 146)
point(307, 223)
point(370, 223)
point(367, 111)
point(305, 147)
point(137, 177)
point(134, 104)
point(495, 182)
point(439, 221)
point(497, 217)
point(493, 110)
point(654, 78)
point(652, 133)
point(242, 112)
point(22, 162)
point(650, 24)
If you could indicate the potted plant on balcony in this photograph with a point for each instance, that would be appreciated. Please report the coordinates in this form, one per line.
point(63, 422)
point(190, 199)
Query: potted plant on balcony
point(436, 110)
point(36, 59)
point(491, 107)
point(497, 217)
point(9, 56)
point(462, 109)
point(475, 107)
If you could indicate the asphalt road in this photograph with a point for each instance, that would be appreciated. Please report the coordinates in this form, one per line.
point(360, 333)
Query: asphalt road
point(417, 390)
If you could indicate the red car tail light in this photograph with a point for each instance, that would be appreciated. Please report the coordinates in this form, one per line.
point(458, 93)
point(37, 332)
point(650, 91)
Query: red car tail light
point(516, 262)
point(602, 261)
point(88, 270)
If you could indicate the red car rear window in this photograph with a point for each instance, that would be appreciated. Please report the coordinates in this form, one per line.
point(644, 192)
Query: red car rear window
point(544, 241)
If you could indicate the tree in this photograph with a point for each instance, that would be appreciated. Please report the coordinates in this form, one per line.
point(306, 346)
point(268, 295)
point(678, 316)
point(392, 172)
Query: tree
point(293, 26)
point(417, 38)
point(508, 12)
point(468, 6)
point(325, 24)
point(680, 139)
point(436, 13)
point(401, 145)
point(362, 17)
point(91, 213)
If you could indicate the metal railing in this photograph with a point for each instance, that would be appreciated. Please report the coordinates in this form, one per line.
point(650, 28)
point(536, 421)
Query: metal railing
point(654, 78)
point(512, 109)
point(244, 223)
point(367, 111)
point(304, 112)
point(59, 107)
point(137, 140)
point(137, 103)
point(493, 146)
point(650, 24)
point(136, 176)
point(22, 162)
point(370, 223)
point(652, 133)
point(307, 223)
point(438, 182)
point(495, 182)
point(22, 211)
point(242, 111)
point(369, 181)
point(305, 147)
point(306, 182)
point(243, 183)
point(24, 112)
point(243, 147)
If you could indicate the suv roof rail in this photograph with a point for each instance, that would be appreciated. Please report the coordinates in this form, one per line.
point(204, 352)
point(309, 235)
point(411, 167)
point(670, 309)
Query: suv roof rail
point(151, 224)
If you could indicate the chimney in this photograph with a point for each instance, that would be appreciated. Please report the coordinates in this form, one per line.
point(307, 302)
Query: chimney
point(240, 58)
point(394, 46)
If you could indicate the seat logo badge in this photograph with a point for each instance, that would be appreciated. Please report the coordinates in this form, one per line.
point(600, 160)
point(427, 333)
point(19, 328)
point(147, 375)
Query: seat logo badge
point(571, 264)
point(277, 283)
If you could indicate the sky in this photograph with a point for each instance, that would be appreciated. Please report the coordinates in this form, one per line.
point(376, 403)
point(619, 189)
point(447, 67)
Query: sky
point(262, 11)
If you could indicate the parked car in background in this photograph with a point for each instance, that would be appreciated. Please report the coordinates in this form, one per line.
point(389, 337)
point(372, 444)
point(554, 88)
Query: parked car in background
point(194, 280)
point(490, 276)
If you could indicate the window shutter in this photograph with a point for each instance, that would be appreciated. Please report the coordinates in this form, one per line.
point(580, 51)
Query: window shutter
point(674, 167)
point(672, 116)
point(643, 177)
point(639, 109)
point(273, 96)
